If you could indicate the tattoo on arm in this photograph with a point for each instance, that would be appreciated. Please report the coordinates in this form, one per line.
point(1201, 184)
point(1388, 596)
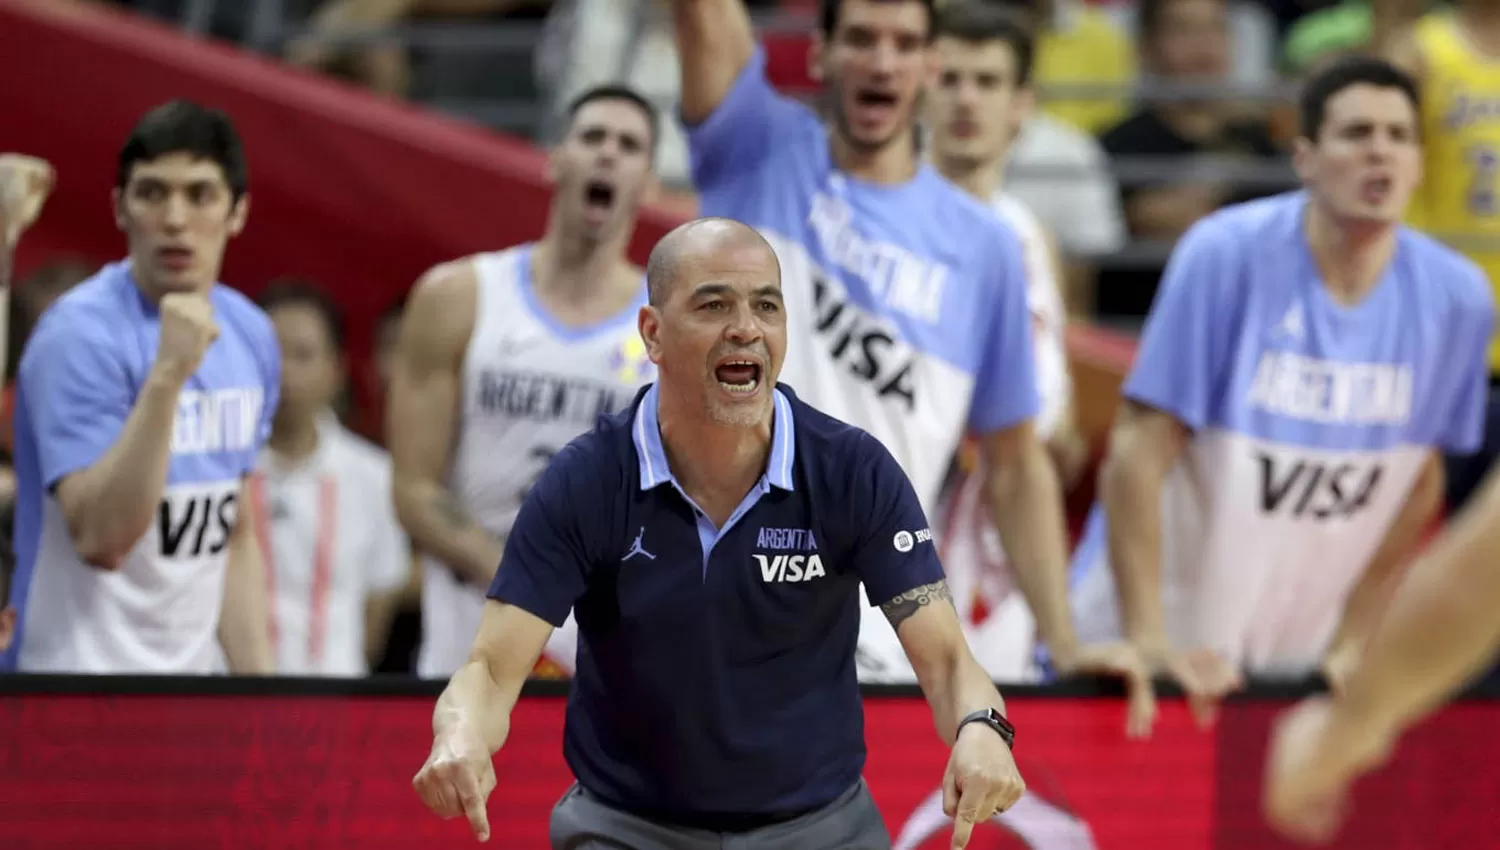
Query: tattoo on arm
point(452, 511)
point(899, 609)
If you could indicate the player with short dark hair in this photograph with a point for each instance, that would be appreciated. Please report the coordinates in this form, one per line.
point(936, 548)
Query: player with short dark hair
point(144, 395)
point(712, 540)
point(505, 356)
point(907, 296)
point(1277, 456)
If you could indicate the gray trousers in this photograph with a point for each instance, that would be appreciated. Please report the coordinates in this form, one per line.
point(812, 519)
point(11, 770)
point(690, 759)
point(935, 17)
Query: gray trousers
point(580, 821)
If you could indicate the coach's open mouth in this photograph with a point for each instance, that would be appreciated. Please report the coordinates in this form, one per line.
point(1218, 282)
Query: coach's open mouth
point(738, 376)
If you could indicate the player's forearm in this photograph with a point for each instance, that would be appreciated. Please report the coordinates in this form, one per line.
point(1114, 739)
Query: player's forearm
point(1026, 507)
point(117, 497)
point(1131, 487)
point(957, 689)
point(244, 615)
point(715, 40)
point(438, 525)
point(1440, 628)
point(1373, 592)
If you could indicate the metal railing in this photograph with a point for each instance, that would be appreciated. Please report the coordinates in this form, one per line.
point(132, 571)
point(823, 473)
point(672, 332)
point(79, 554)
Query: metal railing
point(268, 26)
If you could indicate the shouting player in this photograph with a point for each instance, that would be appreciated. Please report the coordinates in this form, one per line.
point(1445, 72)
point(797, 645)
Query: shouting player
point(144, 397)
point(982, 97)
point(908, 297)
point(1276, 458)
point(504, 357)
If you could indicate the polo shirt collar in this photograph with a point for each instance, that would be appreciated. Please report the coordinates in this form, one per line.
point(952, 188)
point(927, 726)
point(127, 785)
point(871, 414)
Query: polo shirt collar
point(653, 456)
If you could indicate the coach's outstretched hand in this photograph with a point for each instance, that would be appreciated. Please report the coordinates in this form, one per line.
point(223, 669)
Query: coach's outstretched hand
point(458, 777)
point(981, 780)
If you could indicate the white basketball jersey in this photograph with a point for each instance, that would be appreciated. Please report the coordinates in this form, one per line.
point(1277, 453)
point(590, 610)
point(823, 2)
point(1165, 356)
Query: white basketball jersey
point(530, 385)
point(1049, 317)
point(996, 619)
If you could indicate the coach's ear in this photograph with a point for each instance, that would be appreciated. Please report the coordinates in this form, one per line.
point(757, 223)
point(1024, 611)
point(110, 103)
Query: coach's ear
point(649, 322)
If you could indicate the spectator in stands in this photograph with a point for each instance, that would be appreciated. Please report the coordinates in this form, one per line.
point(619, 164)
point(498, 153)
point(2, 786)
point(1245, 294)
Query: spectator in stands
point(1062, 175)
point(335, 555)
point(1080, 48)
point(384, 68)
point(1182, 41)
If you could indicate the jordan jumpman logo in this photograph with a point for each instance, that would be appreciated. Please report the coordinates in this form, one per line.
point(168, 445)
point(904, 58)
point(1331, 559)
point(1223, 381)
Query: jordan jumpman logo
point(637, 549)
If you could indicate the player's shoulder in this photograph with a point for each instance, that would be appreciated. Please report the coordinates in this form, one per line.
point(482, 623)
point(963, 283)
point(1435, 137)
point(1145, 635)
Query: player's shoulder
point(832, 452)
point(237, 307)
point(87, 315)
point(959, 219)
point(1229, 238)
point(1441, 274)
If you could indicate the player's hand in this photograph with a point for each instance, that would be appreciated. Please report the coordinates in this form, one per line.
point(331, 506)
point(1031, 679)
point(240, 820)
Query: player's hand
point(187, 330)
point(1121, 661)
point(458, 778)
point(980, 782)
point(25, 183)
point(1314, 759)
point(1205, 676)
point(1339, 663)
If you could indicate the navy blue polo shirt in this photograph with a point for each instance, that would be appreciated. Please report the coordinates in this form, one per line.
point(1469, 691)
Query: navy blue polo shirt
point(715, 679)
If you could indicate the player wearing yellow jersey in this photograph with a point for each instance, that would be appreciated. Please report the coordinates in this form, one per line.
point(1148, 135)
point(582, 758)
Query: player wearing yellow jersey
point(1455, 55)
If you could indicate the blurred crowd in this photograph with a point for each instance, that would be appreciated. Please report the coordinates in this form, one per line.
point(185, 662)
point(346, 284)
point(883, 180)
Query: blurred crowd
point(1152, 112)
point(1150, 115)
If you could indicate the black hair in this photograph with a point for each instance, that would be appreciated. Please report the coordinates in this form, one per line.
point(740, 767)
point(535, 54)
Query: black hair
point(1342, 73)
point(299, 292)
point(828, 14)
point(182, 126)
point(978, 21)
point(616, 91)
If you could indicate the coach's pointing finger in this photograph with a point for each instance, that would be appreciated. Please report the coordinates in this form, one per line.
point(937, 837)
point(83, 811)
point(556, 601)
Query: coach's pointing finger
point(472, 799)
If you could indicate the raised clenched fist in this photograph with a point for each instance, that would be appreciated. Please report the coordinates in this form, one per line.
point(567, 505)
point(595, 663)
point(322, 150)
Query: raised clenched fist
point(187, 330)
point(25, 183)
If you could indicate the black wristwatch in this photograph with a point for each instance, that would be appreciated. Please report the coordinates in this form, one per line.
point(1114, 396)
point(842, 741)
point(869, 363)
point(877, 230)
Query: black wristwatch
point(993, 719)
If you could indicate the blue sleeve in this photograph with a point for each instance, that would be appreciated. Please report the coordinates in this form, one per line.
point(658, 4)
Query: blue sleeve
point(271, 393)
point(894, 551)
point(1005, 388)
point(545, 567)
point(1178, 356)
point(741, 133)
point(78, 394)
point(1464, 426)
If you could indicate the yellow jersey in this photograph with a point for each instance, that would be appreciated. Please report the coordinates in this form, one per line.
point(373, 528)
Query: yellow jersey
point(1458, 201)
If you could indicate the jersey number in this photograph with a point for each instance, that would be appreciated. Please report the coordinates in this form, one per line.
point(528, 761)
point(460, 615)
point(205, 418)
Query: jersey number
point(540, 457)
point(1484, 165)
point(196, 527)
